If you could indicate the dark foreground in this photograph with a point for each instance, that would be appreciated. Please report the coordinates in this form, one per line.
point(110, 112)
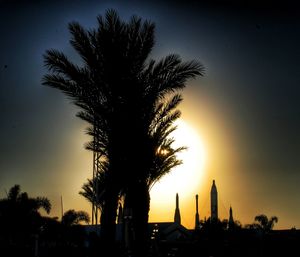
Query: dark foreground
point(241, 243)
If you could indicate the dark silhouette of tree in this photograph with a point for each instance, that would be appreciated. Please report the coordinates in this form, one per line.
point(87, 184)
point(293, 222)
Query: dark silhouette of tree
point(20, 204)
point(16, 198)
point(262, 228)
point(72, 217)
point(20, 218)
point(130, 102)
point(264, 223)
point(94, 189)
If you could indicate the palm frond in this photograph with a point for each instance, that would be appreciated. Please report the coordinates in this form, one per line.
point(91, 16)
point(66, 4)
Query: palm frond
point(163, 109)
point(82, 43)
point(43, 202)
point(72, 217)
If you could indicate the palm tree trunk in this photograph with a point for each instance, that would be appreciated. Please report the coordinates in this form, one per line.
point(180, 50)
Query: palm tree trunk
point(138, 201)
point(141, 209)
point(108, 221)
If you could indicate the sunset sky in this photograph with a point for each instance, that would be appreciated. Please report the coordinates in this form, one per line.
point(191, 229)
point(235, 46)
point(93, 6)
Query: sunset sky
point(241, 121)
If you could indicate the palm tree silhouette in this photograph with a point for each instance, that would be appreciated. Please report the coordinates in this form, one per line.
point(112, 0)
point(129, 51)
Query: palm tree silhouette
point(264, 223)
point(94, 189)
point(19, 216)
point(130, 103)
point(17, 200)
point(72, 217)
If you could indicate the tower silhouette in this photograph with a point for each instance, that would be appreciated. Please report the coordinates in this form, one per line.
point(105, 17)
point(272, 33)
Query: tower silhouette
point(214, 202)
point(197, 219)
point(177, 218)
point(230, 221)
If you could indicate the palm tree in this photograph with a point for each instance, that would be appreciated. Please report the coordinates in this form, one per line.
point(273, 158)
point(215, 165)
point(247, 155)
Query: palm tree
point(156, 159)
point(94, 89)
point(163, 160)
point(72, 217)
point(264, 223)
point(94, 189)
point(20, 217)
point(17, 200)
point(123, 96)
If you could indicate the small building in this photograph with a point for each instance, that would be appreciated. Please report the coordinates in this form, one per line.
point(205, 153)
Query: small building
point(168, 231)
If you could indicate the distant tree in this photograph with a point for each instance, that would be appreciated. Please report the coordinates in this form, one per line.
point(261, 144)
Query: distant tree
point(251, 226)
point(20, 218)
point(20, 204)
point(16, 198)
point(94, 190)
point(214, 226)
point(237, 224)
point(72, 217)
point(264, 223)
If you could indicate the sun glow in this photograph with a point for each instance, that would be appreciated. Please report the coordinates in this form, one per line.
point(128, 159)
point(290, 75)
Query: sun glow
point(184, 179)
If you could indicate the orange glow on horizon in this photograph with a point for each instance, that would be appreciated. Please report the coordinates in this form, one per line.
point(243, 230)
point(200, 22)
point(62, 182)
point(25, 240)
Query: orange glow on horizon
point(211, 154)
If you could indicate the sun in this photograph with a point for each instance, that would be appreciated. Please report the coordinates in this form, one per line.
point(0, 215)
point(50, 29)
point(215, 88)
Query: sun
point(186, 178)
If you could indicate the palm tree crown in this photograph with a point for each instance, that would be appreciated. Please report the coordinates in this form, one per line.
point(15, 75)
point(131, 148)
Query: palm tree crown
point(265, 223)
point(20, 218)
point(72, 217)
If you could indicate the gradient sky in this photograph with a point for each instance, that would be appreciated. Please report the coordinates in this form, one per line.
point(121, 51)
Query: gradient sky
point(244, 113)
